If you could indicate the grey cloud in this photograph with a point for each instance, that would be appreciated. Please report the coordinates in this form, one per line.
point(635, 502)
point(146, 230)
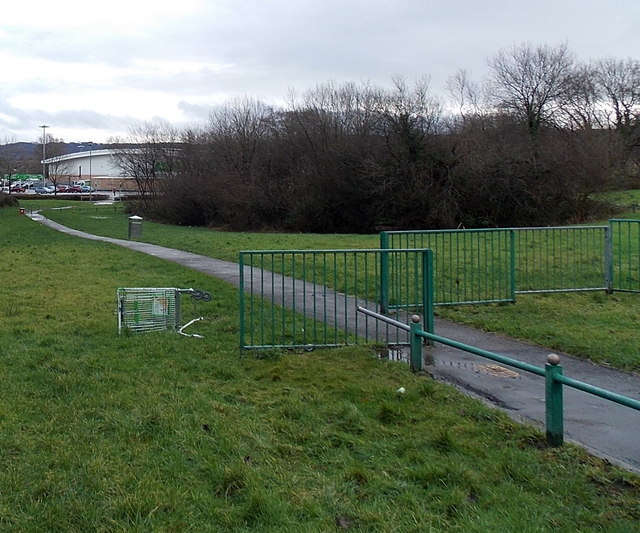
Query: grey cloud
point(269, 47)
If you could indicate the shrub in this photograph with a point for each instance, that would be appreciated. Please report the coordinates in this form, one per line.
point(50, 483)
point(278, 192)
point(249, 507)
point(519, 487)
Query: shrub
point(6, 200)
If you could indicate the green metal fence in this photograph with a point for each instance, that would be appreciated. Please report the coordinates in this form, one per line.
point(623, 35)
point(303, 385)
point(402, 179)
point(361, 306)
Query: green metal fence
point(624, 266)
point(560, 259)
point(309, 298)
point(494, 265)
point(470, 266)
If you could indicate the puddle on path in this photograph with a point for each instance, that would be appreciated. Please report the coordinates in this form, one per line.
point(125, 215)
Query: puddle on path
point(395, 353)
point(491, 369)
point(400, 353)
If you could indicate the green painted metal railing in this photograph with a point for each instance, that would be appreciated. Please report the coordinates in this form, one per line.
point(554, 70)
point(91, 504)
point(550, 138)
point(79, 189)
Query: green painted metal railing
point(494, 265)
point(560, 259)
point(296, 298)
point(309, 298)
point(624, 266)
point(470, 266)
point(552, 372)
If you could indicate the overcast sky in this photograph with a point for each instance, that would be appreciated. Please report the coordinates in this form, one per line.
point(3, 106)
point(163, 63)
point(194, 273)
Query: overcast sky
point(91, 70)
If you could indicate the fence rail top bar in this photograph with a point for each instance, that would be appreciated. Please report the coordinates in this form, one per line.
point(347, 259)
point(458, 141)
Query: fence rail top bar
point(480, 230)
point(338, 251)
point(384, 318)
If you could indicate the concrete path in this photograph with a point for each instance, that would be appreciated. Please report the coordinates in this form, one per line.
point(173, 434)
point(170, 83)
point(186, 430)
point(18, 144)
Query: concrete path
point(606, 429)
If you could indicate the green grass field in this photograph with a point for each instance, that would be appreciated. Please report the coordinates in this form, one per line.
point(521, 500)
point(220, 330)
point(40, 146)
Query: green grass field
point(158, 432)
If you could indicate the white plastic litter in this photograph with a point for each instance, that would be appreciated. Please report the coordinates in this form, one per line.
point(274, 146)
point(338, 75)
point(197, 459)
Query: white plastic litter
point(181, 328)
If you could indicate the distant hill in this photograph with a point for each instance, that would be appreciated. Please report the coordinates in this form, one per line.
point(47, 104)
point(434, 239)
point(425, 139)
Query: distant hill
point(21, 150)
point(25, 157)
point(26, 150)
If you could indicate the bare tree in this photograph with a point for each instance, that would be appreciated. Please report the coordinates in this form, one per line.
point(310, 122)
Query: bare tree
point(9, 159)
point(236, 131)
point(59, 170)
point(582, 109)
point(527, 147)
point(532, 83)
point(414, 172)
point(331, 137)
point(465, 93)
point(619, 85)
point(150, 156)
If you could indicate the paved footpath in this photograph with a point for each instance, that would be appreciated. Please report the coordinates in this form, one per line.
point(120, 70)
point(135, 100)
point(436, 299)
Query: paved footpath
point(604, 428)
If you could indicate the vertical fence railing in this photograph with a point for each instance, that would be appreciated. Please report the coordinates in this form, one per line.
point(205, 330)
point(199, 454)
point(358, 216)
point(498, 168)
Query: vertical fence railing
point(470, 266)
point(494, 265)
point(309, 298)
point(560, 259)
point(624, 267)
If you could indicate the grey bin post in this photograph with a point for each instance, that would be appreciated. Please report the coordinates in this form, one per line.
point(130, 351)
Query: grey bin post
point(135, 227)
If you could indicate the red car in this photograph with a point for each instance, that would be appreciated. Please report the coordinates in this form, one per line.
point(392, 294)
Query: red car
point(74, 188)
point(18, 189)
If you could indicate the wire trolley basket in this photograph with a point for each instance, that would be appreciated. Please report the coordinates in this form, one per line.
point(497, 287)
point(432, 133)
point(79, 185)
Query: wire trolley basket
point(153, 308)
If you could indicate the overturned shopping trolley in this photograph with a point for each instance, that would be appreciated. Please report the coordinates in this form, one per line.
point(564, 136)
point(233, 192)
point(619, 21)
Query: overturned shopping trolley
point(154, 308)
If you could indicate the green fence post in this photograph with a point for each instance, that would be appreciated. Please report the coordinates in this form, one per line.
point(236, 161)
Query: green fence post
point(241, 263)
point(608, 257)
point(512, 265)
point(427, 292)
point(415, 344)
point(384, 273)
point(553, 401)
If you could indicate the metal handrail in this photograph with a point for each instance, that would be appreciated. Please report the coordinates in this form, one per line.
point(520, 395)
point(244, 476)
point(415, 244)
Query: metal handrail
point(552, 372)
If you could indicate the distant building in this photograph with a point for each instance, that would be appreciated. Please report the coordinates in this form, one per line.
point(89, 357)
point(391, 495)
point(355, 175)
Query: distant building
point(97, 167)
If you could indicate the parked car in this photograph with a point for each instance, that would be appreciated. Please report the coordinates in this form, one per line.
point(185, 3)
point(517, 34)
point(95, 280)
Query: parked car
point(74, 188)
point(86, 188)
point(18, 189)
point(43, 190)
point(62, 188)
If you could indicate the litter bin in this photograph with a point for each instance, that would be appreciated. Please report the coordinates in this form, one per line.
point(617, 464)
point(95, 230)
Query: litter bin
point(135, 227)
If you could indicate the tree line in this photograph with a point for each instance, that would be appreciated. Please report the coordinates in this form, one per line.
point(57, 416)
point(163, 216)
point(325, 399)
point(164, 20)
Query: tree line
point(527, 145)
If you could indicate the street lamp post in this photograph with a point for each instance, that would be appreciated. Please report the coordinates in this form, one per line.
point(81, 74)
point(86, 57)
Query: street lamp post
point(90, 172)
point(44, 155)
point(90, 145)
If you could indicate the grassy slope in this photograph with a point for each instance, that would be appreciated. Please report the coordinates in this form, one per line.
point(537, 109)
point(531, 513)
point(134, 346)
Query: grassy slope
point(158, 432)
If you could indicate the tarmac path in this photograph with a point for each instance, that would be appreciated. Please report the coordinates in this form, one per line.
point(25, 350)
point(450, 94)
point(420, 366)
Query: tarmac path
point(604, 428)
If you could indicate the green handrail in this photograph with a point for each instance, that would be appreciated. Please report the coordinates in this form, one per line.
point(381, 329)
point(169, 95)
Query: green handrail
point(552, 372)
